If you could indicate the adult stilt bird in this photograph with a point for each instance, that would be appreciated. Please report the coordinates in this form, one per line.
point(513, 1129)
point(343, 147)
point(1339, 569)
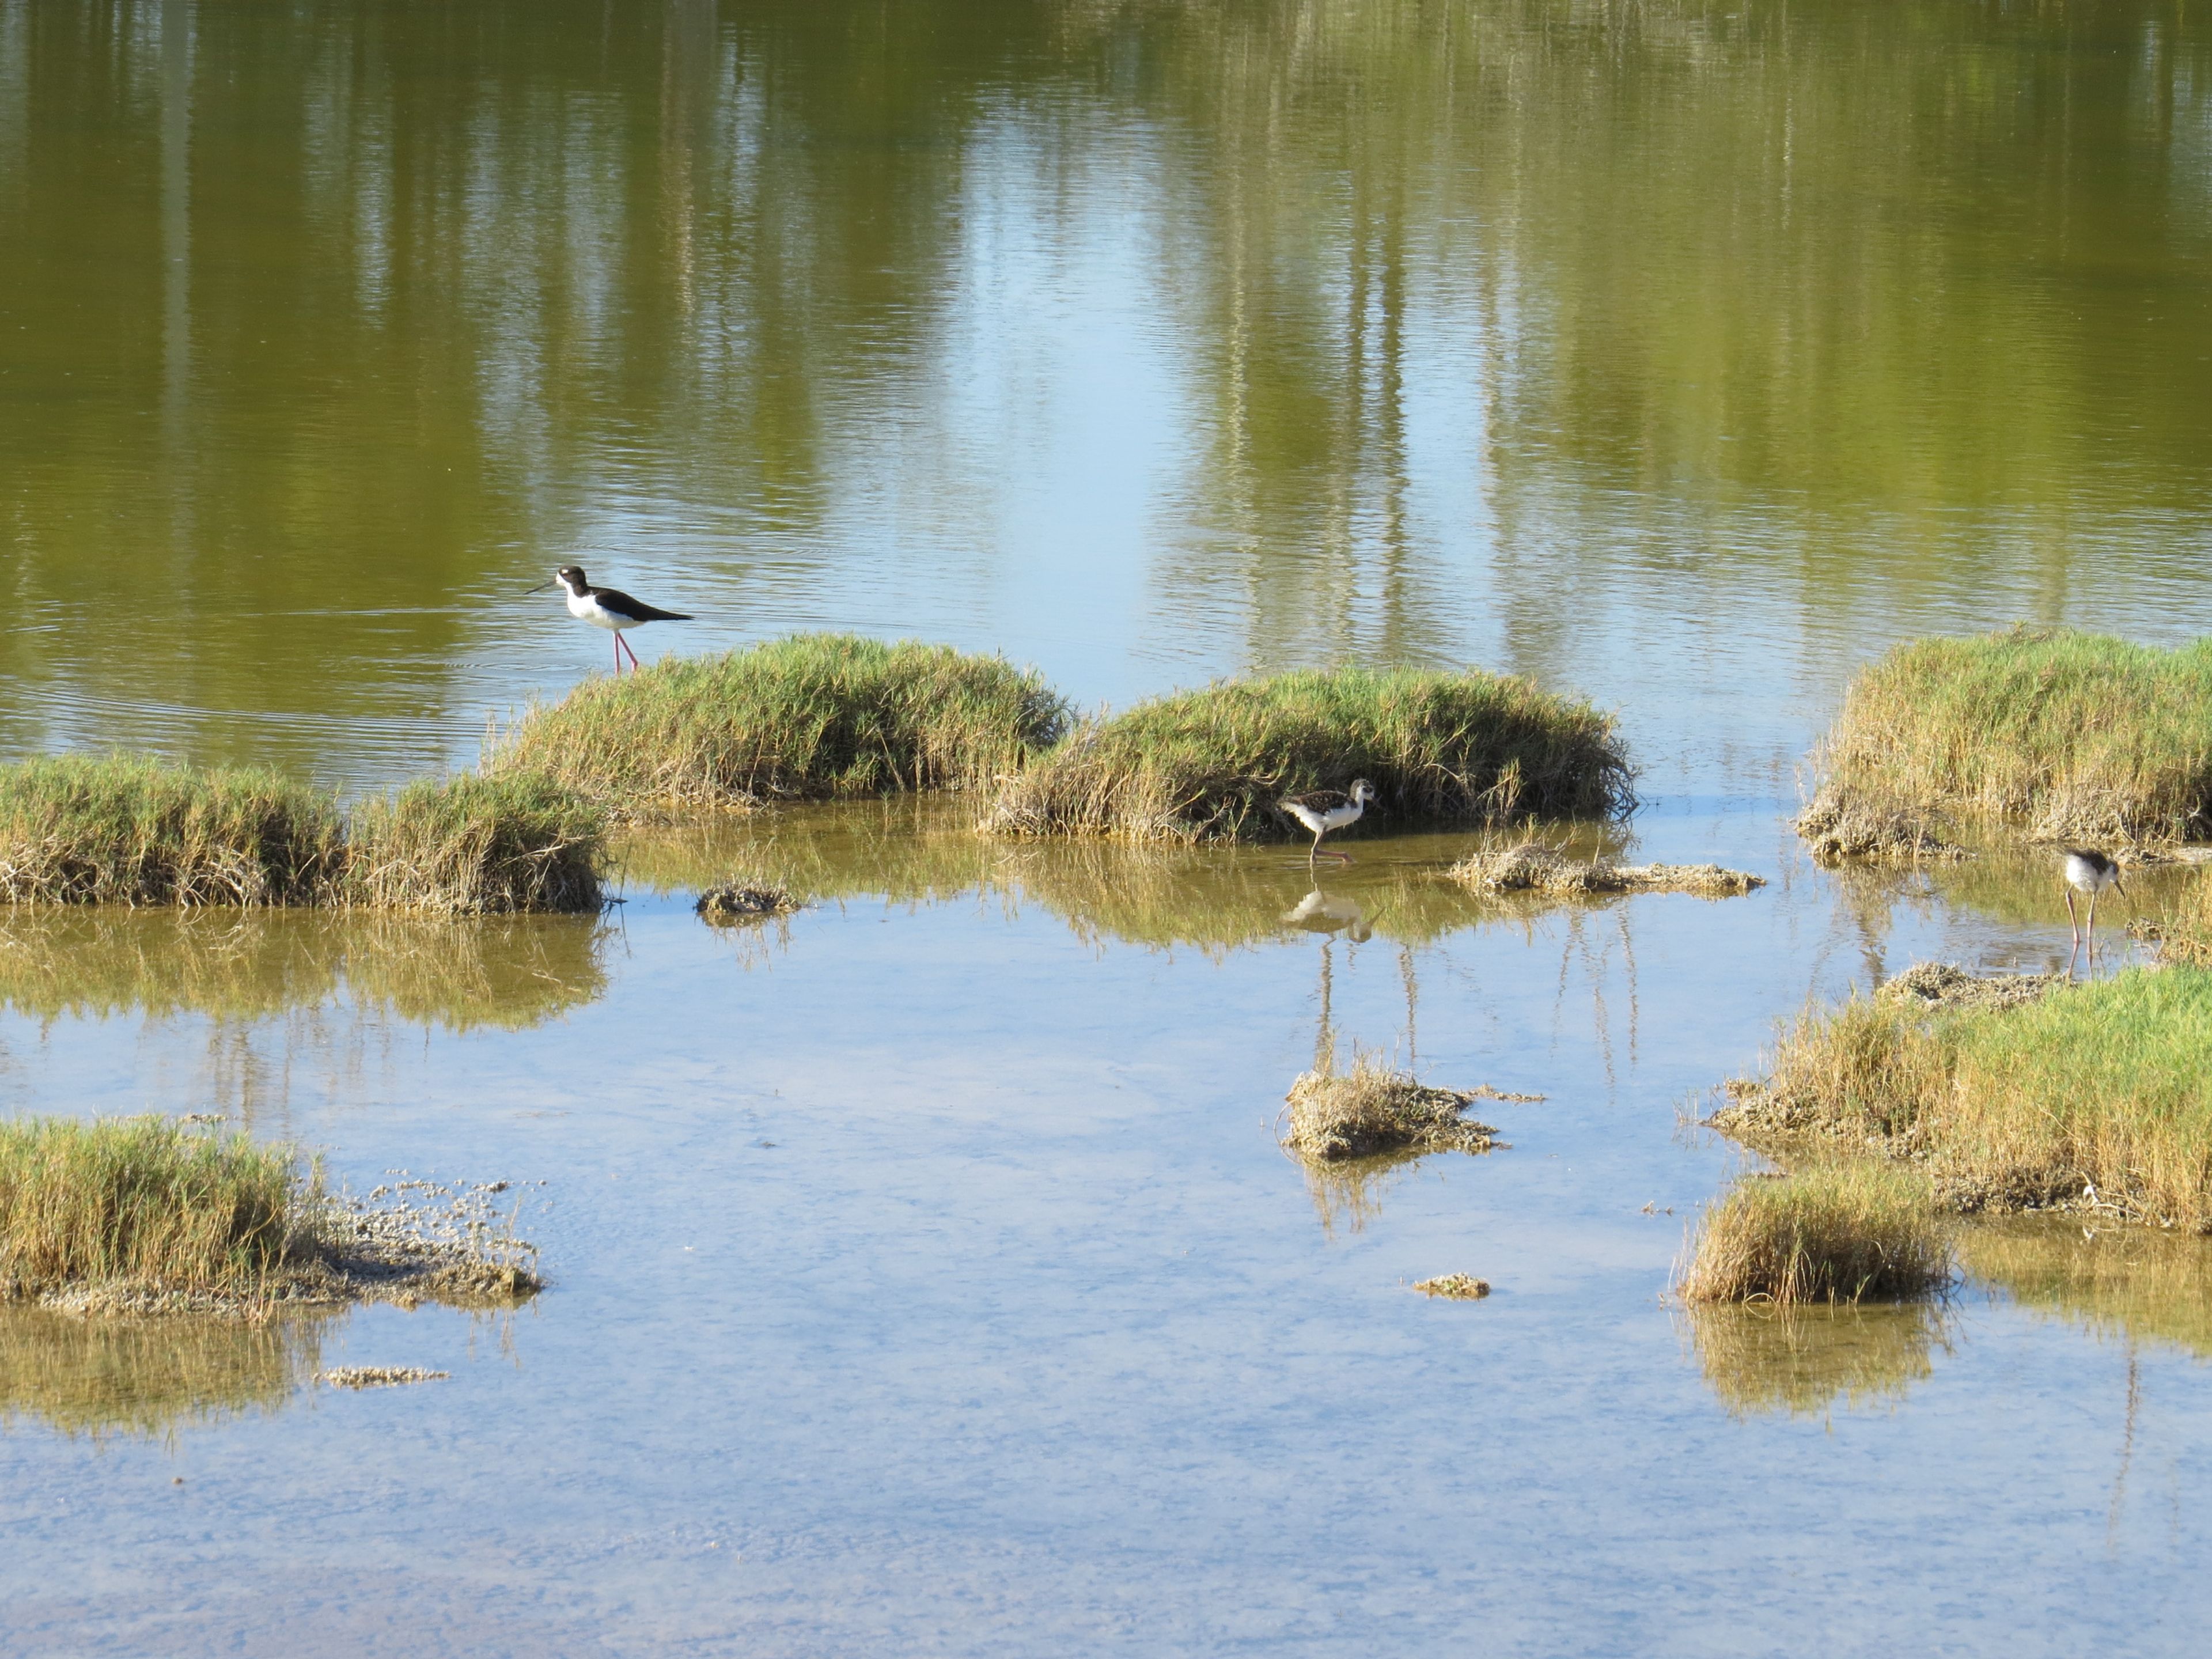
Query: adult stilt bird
point(606, 607)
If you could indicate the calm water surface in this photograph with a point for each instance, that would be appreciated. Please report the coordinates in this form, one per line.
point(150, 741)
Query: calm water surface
point(927, 1277)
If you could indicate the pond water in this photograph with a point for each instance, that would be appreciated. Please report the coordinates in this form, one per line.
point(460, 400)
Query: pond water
point(925, 1274)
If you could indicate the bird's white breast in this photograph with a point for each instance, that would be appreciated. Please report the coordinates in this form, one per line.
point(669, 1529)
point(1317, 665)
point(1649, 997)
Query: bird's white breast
point(2081, 873)
point(585, 607)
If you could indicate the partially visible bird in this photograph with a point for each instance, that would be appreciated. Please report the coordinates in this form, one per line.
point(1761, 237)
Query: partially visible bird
point(2089, 872)
point(606, 607)
point(1325, 810)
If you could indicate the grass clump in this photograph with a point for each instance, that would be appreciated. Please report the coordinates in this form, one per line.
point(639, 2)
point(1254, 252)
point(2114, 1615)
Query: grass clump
point(139, 1201)
point(1440, 749)
point(1375, 1108)
point(2091, 1096)
point(140, 1215)
point(1840, 1232)
point(2063, 734)
point(2184, 929)
point(815, 716)
point(1532, 866)
point(129, 830)
point(468, 845)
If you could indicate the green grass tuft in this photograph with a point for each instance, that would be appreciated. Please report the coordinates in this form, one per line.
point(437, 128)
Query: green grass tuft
point(813, 716)
point(469, 845)
point(127, 830)
point(1840, 1232)
point(141, 1201)
point(2063, 734)
point(2093, 1096)
point(1441, 750)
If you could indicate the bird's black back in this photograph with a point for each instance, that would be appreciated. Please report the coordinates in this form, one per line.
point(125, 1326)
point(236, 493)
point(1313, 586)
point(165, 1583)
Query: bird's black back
point(614, 600)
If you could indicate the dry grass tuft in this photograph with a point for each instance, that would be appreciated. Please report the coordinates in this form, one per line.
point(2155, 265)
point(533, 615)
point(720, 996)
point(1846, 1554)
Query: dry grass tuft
point(2093, 1096)
point(744, 901)
point(2067, 736)
point(470, 846)
point(1455, 1287)
point(129, 830)
point(814, 716)
point(1210, 765)
point(1533, 867)
point(1833, 1233)
point(1374, 1109)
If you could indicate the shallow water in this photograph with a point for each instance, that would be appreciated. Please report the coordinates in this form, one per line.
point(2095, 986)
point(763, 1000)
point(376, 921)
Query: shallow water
point(927, 1276)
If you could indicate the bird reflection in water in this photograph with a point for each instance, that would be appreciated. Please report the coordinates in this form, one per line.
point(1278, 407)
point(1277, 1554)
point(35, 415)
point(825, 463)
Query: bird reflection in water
point(1319, 912)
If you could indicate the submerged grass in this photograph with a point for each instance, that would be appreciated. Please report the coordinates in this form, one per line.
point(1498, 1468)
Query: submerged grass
point(1441, 750)
point(1836, 1233)
point(2090, 1096)
point(127, 830)
point(813, 716)
point(1375, 1108)
point(2063, 734)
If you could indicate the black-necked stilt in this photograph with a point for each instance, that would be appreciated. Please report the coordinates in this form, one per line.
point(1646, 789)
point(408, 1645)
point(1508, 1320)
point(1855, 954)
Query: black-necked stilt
point(2090, 872)
point(606, 607)
point(1325, 810)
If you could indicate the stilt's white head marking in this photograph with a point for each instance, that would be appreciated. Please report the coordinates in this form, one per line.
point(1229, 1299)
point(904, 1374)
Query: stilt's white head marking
point(1361, 792)
point(571, 576)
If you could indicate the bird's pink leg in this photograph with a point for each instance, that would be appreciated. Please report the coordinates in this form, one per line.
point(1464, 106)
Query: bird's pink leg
point(626, 646)
point(2072, 920)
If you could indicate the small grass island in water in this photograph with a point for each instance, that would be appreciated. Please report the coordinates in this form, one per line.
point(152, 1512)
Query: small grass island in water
point(1441, 749)
point(2031, 1094)
point(141, 1215)
point(2058, 734)
point(813, 717)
